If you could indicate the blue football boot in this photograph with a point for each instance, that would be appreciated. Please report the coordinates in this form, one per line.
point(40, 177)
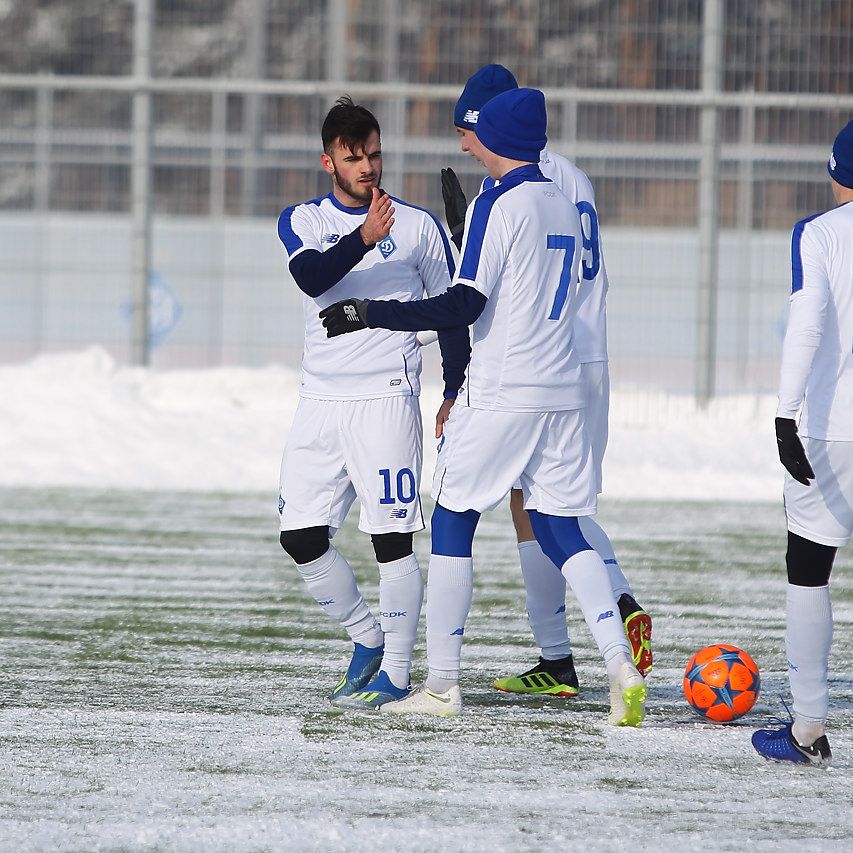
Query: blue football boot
point(374, 695)
point(780, 745)
point(362, 667)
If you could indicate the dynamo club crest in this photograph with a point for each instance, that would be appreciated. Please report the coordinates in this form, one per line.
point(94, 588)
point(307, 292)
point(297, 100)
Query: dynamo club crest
point(387, 246)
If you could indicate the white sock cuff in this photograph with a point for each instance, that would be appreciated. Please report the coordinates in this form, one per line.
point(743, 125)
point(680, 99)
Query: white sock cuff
point(451, 571)
point(401, 568)
point(813, 602)
point(318, 566)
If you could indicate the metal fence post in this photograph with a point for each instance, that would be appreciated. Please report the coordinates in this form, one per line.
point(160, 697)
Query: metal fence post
point(140, 349)
point(709, 204)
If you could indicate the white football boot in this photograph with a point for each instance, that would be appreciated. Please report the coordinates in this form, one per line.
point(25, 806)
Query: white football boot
point(423, 701)
point(627, 697)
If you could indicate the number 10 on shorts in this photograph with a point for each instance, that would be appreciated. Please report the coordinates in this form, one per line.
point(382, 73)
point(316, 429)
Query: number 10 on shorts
point(405, 483)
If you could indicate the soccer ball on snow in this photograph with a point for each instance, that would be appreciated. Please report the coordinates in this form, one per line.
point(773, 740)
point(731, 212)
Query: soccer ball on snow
point(721, 683)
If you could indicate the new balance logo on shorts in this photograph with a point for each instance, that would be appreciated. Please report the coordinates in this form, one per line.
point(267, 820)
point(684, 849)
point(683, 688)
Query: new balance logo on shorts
point(608, 614)
point(351, 313)
point(398, 513)
point(471, 116)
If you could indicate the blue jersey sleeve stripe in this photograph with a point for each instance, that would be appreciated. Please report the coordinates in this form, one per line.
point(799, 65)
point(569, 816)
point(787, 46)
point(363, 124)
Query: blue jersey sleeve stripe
point(483, 205)
point(286, 234)
point(451, 265)
point(292, 241)
point(796, 253)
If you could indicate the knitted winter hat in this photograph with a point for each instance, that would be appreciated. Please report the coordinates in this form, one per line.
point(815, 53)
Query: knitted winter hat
point(513, 124)
point(841, 159)
point(482, 86)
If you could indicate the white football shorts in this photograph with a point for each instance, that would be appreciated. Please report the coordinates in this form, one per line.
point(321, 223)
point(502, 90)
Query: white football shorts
point(483, 453)
point(338, 450)
point(596, 414)
point(823, 511)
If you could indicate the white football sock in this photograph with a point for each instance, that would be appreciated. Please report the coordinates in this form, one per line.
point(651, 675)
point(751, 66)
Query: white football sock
point(600, 542)
point(586, 574)
point(808, 637)
point(450, 588)
point(401, 593)
point(332, 583)
point(545, 587)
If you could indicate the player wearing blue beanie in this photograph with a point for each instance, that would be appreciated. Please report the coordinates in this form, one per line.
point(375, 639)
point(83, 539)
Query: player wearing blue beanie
point(840, 164)
point(481, 87)
point(554, 674)
point(814, 435)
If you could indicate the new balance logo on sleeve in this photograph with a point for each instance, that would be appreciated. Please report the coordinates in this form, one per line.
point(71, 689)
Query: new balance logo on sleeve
point(351, 313)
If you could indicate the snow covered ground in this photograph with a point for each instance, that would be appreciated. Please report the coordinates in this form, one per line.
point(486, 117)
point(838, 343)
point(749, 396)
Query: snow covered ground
point(164, 671)
point(164, 675)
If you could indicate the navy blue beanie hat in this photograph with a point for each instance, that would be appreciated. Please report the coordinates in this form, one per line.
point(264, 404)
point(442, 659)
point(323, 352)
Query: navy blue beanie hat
point(841, 159)
point(513, 125)
point(489, 81)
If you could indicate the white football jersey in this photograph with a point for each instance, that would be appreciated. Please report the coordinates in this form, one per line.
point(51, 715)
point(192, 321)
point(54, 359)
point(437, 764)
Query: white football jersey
point(413, 262)
point(817, 354)
point(522, 251)
point(591, 322)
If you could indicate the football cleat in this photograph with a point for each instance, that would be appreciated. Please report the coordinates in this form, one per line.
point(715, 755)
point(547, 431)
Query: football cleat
point(547, 678)
point(423, 701)
point(638, 630)
point(373, 695)
point(362, 667)
point(780, 745)
point(627, 697)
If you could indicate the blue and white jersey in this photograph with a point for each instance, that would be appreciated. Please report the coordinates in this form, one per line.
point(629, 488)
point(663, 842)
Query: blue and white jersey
point(414, 261)
point(591, 322)
point(522, 251)
point(817, 354)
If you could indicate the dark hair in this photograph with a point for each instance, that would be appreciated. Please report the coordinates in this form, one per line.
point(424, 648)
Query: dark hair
point(348, 122)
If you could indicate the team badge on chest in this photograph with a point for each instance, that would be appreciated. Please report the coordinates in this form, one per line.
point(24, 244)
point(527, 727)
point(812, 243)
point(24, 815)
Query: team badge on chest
point(387, 246)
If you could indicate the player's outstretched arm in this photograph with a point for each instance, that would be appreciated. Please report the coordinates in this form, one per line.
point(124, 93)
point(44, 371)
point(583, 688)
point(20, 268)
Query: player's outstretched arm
point(791, 452)
point(455, 205)
point(459, 306)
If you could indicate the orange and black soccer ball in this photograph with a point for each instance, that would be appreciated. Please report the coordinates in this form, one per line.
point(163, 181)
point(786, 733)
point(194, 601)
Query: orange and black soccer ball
point(721, 683)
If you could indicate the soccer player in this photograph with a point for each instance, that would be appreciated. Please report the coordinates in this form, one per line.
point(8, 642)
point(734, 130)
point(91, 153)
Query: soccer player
point(816, 383)
point(357, 430)
point(555, 674)
point(520, 413)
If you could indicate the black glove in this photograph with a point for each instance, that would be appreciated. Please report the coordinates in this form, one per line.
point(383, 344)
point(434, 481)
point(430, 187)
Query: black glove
point(350, 315)
point(791, 453)
point(455, 203)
